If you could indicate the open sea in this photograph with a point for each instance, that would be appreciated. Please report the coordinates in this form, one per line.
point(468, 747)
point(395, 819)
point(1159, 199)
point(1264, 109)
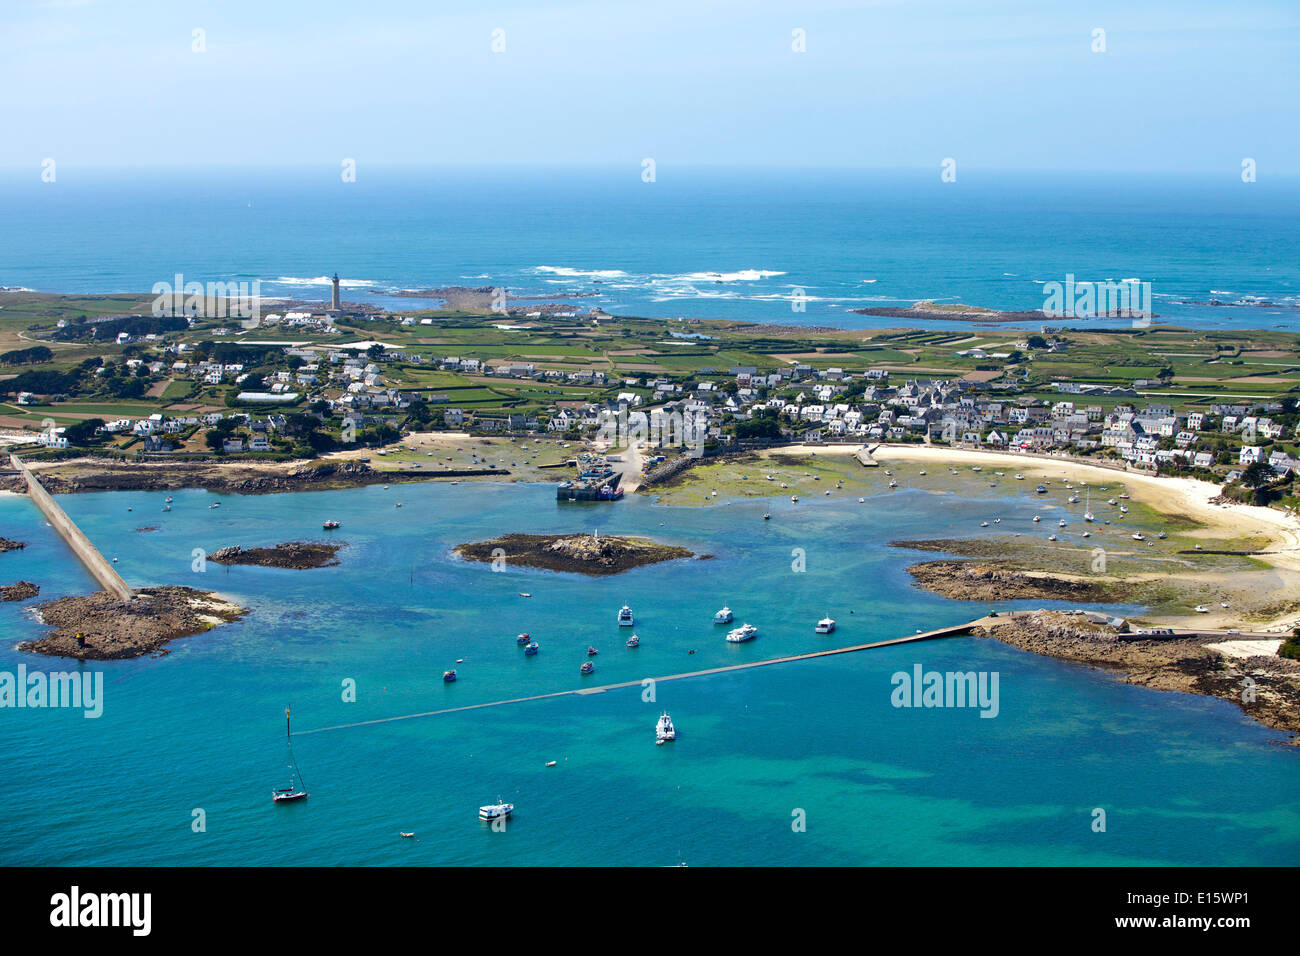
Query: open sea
point(1182, 779)
point(697, 242)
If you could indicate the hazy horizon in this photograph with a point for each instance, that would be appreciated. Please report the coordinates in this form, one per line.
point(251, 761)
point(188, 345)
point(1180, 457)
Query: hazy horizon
point(1180, 88)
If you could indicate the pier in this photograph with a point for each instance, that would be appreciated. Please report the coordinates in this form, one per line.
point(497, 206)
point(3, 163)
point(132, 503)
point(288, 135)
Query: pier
point(953, 631)
point(100, 569)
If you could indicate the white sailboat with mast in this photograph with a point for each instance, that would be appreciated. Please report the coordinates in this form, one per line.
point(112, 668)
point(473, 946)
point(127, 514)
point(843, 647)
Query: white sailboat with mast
point(295, 789)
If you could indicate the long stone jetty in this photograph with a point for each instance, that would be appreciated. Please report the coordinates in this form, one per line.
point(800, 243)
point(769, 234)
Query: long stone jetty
point(87, 553)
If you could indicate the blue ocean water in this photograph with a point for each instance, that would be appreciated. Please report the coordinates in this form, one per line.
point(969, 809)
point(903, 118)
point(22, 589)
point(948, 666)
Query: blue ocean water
point(1183, 779)
point(697, 242)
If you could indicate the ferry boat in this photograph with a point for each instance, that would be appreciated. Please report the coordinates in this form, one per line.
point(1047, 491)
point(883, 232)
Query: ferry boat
point(825, 626)
point(625, 616)
point(743, 633)
point(448, 676)
point(495, 811)
point(531, 648)
point(664, 729)
point(633, 641)
point(588, 667)
point(521, 639)
point(330, 525)
point(723, 615)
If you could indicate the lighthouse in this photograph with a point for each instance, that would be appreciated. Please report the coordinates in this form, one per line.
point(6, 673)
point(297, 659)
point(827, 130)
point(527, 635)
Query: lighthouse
point(335, 304)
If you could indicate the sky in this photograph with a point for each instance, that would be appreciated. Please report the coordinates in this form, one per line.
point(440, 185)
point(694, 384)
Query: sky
point(1182, 87)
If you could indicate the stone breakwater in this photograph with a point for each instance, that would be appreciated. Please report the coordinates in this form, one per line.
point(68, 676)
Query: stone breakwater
point(1266, 688)
point(581, 553)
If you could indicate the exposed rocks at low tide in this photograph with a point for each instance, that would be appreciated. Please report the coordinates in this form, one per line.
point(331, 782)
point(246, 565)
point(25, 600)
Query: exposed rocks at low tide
point(299, 555)
point(978, 581)
point(1266, 688)
point(99, 626)
point(7, 544)
point(581, 553)
point(19, 591)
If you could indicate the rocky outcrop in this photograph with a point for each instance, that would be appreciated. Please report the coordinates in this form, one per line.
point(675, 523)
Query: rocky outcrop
point(581, 553)
point(975, 581)
point(19, 591)
point(99, 626)
point(289, 554)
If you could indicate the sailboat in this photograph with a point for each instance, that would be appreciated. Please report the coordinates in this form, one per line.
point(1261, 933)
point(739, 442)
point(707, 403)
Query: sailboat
point(293, 791)
point(1087, 509)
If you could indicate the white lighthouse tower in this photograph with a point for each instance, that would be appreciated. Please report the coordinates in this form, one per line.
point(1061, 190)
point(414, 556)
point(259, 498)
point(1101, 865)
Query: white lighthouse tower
point(335, 304)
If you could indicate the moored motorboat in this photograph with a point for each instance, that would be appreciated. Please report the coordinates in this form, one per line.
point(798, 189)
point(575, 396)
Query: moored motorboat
point(743, 633)
point(592, 652)
point(633, 641)
point(330, 525)
point(825, 626)
point(496, 811)
point(521, 639)
point(531, 649)
point(448, 676)
point(723, 615)
point(664, 729)
point(587, 667)
point(625, 617)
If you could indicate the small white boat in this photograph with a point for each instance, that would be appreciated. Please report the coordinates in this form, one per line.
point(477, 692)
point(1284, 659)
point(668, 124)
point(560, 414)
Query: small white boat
point(1087, 534)
point(794, 497)
point(861, 500)
point(922, 471)
point(664, 729)
point(1051, 537)
point(1202, 609)
point(984, 524)
point(633, 641)
point(893, 484)
point(1037, 519)
point(825, 626)
point(1074, 499)
point(723, 615)
point(1061, 523)
point(495, 811)
point(1020, 477)
point(625, 617)
point(1161, 536)
point(741, 634)
point(1139, 536)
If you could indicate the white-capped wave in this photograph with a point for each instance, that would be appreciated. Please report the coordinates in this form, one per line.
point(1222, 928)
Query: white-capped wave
point(581, 273)
point(326, 280)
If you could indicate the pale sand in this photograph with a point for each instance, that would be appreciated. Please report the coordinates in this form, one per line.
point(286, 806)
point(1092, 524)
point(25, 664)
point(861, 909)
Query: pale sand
point(1245, 649)
point(1186, 496)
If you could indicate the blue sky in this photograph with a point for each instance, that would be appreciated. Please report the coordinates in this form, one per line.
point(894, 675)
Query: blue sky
point(1183, 87)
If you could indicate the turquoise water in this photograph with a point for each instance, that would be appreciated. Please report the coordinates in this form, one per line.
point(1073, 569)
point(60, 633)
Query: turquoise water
point(847, 239)
point(1183, 779)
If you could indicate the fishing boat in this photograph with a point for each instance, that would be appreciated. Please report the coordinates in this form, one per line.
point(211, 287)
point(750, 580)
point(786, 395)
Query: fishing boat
point(496, 811)
point(330, 525)
point(591, 651)
point(531, 649)
point(588, 667)
point(521, 639)
point(625, 617)
point(448, 676)
point(741, 634)
point(633, 641)
point(825, 626)
point(294, 791)
point(723, 615)
point(664, 729)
